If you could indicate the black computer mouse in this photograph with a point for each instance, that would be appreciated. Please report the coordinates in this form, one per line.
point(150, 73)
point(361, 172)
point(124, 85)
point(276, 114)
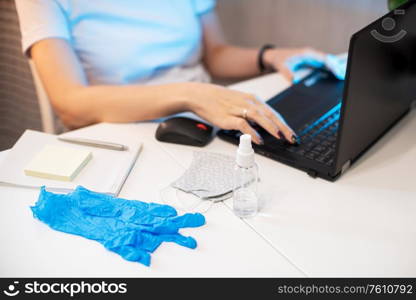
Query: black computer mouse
point(185, 131)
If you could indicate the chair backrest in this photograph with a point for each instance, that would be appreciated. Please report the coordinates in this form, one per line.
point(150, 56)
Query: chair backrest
point(49, 118)
point(19, 109)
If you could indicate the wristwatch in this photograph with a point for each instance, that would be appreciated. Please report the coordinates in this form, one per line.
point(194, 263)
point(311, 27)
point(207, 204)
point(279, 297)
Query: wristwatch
point(260, 58)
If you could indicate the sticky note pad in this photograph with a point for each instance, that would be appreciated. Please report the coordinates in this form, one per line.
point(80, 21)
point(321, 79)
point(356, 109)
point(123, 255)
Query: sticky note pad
point(58, 163)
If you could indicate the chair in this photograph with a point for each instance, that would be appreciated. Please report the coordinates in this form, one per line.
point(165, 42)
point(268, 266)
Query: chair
point(49, 118)
point(24, 103)
point(19, 108)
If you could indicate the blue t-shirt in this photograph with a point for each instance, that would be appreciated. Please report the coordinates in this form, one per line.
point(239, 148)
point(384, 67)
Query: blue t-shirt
point(123, 41)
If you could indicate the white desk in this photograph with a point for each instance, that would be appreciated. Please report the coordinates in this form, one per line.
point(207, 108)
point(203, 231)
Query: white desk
point(226, 246)
point(362, 225)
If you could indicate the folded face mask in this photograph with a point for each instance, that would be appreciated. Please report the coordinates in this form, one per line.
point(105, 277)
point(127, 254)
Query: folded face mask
point(209, 177)
point(133, 229)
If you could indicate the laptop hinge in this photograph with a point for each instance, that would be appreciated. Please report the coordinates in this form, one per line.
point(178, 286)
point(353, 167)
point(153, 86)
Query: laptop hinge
point(346, 166)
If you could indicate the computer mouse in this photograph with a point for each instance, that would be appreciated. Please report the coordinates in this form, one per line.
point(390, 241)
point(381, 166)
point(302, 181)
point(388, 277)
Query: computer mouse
point(185, 131)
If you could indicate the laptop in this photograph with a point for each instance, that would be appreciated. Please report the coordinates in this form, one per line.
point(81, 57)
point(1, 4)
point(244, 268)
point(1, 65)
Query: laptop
point(337, 121)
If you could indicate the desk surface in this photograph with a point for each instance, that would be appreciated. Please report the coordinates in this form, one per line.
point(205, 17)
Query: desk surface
point(362, 225)
point(226, 246)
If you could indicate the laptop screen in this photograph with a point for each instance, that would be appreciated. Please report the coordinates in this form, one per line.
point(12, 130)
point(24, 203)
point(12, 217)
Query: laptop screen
point(381, 81)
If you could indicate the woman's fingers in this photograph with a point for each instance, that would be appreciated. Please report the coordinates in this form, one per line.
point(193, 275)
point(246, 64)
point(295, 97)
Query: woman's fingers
point(244, 127)
point(281, 123)
point(262, 120)
point(285, 71)
point(276, 119)
point(251, 112)
point(279, 58)
point(233, 110)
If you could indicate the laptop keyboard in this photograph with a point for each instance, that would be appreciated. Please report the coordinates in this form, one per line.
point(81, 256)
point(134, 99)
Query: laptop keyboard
point(317, 141)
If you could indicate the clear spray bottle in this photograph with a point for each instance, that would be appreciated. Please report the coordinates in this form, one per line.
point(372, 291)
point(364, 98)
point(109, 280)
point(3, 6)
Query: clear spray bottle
point(245, 200)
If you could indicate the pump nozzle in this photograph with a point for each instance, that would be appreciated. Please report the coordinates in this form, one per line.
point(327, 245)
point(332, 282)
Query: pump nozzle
point(245, 152)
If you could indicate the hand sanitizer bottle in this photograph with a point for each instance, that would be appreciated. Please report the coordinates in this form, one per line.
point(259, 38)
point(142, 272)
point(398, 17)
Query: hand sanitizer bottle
point(245, 201)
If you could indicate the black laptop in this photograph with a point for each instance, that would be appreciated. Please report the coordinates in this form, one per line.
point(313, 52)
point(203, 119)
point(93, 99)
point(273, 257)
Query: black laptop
point(338, 121)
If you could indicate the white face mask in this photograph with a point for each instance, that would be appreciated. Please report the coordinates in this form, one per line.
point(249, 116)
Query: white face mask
point(209, 177)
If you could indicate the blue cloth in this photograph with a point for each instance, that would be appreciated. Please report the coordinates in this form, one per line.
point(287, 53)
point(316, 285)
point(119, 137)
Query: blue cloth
point(133, 229)
point(119, 42)
point(337, 65)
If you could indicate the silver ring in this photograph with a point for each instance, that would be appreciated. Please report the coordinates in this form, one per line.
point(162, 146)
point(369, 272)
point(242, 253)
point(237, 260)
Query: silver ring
point(245, 111)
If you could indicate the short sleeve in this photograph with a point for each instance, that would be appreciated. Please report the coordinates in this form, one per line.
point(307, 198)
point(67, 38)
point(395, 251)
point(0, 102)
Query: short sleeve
point(204, 6)
point(41, 19)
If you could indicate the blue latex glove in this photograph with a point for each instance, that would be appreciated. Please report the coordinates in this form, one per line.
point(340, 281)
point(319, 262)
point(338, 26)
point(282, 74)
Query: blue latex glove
point(337, 65)
point(133, 229)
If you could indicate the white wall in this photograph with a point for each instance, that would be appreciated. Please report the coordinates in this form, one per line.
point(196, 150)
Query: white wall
point(323, 24)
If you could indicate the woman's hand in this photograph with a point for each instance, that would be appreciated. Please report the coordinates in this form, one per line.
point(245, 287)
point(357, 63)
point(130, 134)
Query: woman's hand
point(277, 58)
point(232, 110)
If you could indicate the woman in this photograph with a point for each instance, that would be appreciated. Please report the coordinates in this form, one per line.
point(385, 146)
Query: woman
point(132, 60)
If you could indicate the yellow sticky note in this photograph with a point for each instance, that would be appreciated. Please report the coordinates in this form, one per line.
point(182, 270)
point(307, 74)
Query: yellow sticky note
point(58, 163)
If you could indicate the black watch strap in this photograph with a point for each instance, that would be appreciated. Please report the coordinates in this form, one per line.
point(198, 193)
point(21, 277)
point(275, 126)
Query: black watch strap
point(260, 58)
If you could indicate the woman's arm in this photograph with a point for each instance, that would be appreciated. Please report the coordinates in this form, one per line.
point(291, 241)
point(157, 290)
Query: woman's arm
point(221, 59)
point(79, 104)
point(226, 61)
